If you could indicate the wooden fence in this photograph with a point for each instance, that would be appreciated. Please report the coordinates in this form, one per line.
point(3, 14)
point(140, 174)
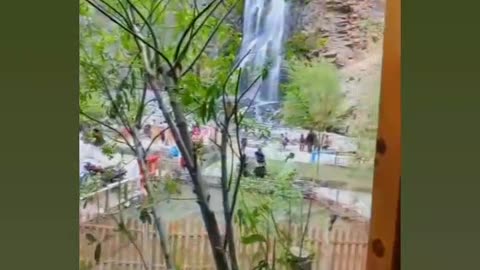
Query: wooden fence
point(345, 248)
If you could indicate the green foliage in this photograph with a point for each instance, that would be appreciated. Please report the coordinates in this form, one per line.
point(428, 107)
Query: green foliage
point(301, 43)
point(107, 51)
point(253, 238)
point(161, 190)
point(92, 104)
point(276, 188)
point(314, 98)
point(107, 84)
point(252, 126)
point(240, 8)
point(364, 127)
point(202, 90)
point(109, 149)
point(172, 48)
point(93, 184)
point(202, 93)
point(262, 203)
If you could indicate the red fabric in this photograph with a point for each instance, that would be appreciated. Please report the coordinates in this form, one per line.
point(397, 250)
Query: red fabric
point(152, 164)
point(153, 158)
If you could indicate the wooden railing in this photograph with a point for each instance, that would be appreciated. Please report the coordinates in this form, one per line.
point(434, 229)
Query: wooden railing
point(111, 196)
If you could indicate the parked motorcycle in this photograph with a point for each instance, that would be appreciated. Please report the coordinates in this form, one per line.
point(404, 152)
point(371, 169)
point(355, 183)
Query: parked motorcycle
point(108, 175)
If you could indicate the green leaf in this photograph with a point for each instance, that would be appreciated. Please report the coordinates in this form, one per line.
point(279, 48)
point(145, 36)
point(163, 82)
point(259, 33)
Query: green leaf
point(261, 265)
point(98, 253)
point(109, 150)
point(202, 112)
point(172, 187)
point(253, 238)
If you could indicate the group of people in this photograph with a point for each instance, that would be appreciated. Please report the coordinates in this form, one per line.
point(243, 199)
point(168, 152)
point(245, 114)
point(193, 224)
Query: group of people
point(313, 143)
point(260, 168)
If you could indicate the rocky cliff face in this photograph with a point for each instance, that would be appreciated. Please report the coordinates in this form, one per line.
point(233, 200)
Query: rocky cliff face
point(345, 26)
point(351, 34)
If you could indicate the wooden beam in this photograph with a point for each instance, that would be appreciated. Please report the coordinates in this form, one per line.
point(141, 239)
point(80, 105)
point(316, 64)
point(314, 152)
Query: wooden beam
point(383, 251)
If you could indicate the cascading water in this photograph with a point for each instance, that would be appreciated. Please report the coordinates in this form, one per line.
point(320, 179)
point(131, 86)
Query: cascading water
point(263, 31)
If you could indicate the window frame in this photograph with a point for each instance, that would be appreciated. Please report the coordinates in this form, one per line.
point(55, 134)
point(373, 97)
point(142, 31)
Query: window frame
point(384, 237)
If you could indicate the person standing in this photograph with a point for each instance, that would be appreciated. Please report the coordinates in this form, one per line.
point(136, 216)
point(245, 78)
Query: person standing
point(243, 144)
point(147, 130)
point(260, 170)
point(285, 142)
point(162, 137)
point(326, 142)
point(260, 157)
point(310, 140)
point(302, 143)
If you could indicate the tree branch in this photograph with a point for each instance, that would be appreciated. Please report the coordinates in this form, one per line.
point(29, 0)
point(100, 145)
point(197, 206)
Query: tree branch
point(212, 34)
point(109, 127)
point(114, 20)
point(179, 56)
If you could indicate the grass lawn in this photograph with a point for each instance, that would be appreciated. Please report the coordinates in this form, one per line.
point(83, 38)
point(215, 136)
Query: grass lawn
point(355, 178)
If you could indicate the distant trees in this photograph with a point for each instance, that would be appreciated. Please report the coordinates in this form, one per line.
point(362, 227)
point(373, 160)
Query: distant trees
point(314, 98)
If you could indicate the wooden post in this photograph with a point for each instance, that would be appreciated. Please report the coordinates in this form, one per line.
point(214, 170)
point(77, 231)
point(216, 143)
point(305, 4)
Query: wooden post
point(107, 199)
point(386, 185)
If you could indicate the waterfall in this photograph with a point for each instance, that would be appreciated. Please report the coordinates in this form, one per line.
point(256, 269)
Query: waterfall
point(263, 31)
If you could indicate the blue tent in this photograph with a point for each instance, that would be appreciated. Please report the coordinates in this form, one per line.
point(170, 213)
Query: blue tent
point(174, 152)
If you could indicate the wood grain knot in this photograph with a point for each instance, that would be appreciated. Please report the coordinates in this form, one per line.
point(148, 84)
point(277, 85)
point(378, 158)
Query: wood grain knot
point(381, 146)
point(378, 248)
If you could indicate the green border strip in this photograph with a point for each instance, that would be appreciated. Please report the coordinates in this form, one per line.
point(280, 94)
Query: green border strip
point(440, 133)
point(38, 106)
point(39, 131)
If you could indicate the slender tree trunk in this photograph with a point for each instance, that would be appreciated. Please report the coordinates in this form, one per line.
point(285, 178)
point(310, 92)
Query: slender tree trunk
point(178, 127)
point(320, 145)
point(163, 235)
point(226, 201)
point(215, 238)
